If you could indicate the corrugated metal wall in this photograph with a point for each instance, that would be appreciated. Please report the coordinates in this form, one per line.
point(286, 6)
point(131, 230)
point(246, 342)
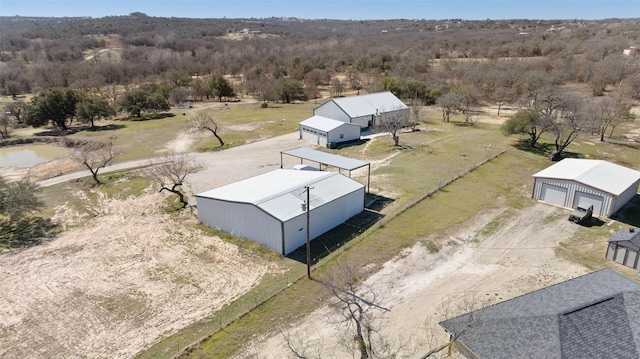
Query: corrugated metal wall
point(349, 132)
point(573, 187)
point(242, 220)
point(322, 219)
point(625, 196)
point(331, 110)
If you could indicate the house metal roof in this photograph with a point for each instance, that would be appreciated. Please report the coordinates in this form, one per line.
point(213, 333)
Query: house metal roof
point(325, 124)
point(593, 316)
point(345, 163)
point(281, 192)
point(369, 104)
point(605, 176)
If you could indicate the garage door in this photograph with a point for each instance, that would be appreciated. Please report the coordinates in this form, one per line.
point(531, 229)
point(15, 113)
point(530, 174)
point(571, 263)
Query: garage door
point(310, 137)
point(589, 199)
point(553, 194)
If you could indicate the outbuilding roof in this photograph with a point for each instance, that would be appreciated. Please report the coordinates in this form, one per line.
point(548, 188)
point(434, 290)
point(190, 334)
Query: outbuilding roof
point(369, 104)
point(631, 234)
point(325, 124)
point(337, 161)
point(281, 192)
point(593, 316)
point(605, 176)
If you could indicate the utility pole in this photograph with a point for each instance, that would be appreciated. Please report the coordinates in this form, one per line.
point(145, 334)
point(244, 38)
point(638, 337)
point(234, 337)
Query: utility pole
point(308, 189)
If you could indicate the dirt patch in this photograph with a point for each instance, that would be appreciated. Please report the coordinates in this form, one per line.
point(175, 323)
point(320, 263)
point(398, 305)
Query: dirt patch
point(423, 288)
point(115, 284)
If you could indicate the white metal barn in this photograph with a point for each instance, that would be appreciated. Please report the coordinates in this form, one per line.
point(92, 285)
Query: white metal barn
point(603, 184)
point(270, 208)
point(363, 110)
point(322, 131)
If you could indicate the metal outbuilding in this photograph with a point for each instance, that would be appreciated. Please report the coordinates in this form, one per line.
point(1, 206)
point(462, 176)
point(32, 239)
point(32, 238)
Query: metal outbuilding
point(624, 248)
point(270, 208)
point(605, 185)
point(322, 131)
point(363, 110)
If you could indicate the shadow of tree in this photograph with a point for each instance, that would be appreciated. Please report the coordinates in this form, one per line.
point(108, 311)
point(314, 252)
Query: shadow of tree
point(149, 117)
point(543, 149)
point(26, 232)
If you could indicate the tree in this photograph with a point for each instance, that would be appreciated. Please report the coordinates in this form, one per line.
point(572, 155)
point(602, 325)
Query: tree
point(16, 109)
point(92, 107)
point(288, 90)
point(608, 114)
point(526, 121)
point(202, 121)
point(357, 308)
point(567, 125)
point(57, 105)
point(448, 103)
point(415, 106)
point(18, 198)
point(95, 156)
point(170, 173)
point(220, 87)
point(140, 100)
point(5, 125)
point(392, 122)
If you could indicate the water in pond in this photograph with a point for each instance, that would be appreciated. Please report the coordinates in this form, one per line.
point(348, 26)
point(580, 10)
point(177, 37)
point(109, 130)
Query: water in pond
point(24, 156)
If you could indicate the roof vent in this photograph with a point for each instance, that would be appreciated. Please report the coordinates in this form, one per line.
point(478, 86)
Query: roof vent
point(632, 230)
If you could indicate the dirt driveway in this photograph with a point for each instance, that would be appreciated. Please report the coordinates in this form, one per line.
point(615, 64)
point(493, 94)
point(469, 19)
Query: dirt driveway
point(421, 289)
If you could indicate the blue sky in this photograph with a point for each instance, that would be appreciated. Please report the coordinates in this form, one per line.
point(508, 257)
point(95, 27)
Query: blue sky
point(332, 9)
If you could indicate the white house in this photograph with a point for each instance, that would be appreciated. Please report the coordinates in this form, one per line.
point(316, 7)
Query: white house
point(603, 184)
point(363, 110)
point(271, 208)
point(322, 131)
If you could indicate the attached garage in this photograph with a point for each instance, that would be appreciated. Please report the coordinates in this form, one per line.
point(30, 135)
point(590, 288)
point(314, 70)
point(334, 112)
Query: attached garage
point(322, 131)
point(624, 248)
point(270, 209)
point(571, 182)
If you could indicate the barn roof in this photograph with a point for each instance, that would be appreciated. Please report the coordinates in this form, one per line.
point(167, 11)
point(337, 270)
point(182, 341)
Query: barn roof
point(603, 175)
point(593, 316)
point(369, 104)
point(325, 124)
point(281, 192)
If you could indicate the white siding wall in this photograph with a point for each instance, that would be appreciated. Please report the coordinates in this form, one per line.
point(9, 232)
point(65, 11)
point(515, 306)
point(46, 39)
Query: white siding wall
point(573, 187)
point(331, 110)
point(242, 220)
point(349, 133)
point(363, 121)
point(625, 196)
point(323, 218)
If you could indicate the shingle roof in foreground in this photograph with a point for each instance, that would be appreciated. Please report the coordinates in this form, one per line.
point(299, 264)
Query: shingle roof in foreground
point(593, 316)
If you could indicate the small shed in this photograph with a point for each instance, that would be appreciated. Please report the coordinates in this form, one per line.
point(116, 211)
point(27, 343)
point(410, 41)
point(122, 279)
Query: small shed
point(271, 208)
point(605, 185)
point(363, 110)
point(322, 131)
point(624, 248)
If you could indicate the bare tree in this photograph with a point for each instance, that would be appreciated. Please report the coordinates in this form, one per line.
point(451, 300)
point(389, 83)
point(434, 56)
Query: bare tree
point(5, 125)
point(357, 308)
point(608, 114)
point(170, 173)
point(95, 156)
point(567, 124)
point(202, 121)
point(415, 105)
point(392, 122)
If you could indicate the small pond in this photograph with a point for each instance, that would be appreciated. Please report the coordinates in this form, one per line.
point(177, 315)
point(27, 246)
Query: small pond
point(24, 156)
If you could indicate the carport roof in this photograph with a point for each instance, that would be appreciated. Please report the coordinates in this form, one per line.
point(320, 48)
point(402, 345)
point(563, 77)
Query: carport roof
point(345, 163)
point(605, 176)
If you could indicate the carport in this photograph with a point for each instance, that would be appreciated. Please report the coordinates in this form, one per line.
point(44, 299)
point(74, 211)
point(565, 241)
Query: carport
point(328, 159)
